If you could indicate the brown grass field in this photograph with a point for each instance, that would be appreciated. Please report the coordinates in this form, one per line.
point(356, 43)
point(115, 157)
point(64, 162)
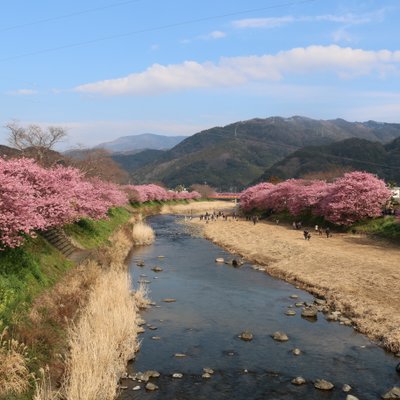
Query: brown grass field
point(358, 276)
point(196, 208)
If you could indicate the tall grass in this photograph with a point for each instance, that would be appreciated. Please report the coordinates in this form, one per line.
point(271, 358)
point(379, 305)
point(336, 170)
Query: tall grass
point(103, 340)
point(141, 296)
point(14, 373)
point(142, 234)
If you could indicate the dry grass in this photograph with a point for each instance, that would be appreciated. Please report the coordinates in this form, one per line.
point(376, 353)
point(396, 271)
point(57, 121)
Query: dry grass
point(43, 388)
point(357, 275)
point(142, 234)
point(114, 254)
point(103, 340)
point(141, 296)
point(198, 207)
point(14, 373)
point(95, 303)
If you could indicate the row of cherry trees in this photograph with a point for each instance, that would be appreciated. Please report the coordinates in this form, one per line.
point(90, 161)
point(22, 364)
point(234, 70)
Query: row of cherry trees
point(355, 196)
point(152, 192)
point(36, 198)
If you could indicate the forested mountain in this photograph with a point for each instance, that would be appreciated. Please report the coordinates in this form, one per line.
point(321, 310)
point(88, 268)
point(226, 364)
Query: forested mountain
point(346, 155)
point(233, 156)
point(131, 162)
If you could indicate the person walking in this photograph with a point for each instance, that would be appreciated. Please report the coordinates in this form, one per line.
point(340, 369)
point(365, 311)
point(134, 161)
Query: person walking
point(328, 232)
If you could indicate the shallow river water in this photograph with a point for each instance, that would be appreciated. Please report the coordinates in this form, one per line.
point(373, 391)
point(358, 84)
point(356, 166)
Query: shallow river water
point(214, 304)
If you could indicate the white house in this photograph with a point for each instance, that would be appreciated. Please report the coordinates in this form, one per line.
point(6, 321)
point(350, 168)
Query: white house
point(396, 192)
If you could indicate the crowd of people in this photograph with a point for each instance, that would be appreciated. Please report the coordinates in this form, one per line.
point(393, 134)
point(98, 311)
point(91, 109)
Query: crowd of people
point(297, 225)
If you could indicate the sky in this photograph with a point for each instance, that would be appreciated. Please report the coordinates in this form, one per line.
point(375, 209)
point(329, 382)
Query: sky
point(109, 68)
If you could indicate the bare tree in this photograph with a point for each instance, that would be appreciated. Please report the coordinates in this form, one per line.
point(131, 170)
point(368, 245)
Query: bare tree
point(204, 190)
point(34, 140)
point(98, 162)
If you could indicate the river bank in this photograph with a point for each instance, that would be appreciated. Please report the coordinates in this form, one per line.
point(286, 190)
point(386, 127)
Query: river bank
point(202, 309)
point(357, 275)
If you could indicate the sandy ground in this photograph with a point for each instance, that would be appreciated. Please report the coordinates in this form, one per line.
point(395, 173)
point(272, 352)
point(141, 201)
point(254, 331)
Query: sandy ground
point(357, 275)
point(196, 208)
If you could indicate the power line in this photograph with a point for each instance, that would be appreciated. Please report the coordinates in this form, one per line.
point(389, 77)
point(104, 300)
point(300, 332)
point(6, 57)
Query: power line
point(153, 29)
point(66, 16)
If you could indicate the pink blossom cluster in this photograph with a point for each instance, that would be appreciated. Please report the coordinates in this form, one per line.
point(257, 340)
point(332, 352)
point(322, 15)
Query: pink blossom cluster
point(34, 198)
point(152, 192)
point(353, 197)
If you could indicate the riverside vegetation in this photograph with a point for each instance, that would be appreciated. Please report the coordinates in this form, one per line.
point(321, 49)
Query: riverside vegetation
point(47, 303)
point(88, 317)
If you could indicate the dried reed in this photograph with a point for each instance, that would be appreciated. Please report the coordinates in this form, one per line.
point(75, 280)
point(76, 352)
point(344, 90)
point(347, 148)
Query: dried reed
point(142, 234)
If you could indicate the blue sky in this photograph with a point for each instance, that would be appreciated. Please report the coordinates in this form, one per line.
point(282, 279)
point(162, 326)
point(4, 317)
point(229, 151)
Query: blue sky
point(104, 69)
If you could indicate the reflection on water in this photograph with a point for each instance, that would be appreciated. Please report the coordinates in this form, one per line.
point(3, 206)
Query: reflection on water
point(214, 304)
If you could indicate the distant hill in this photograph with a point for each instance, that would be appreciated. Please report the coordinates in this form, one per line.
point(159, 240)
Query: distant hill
point(141, 142)
point(233, 156)
point(349, 154)
point(131, 162)
point(6, 151)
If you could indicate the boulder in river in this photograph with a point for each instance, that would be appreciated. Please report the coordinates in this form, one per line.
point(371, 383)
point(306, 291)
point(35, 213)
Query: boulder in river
point(219, 260)
point(296, 351)
point(322, 384)
point(294, 296)
point(237, 262)
point(298, 381)
point(246, 336)
point(168, 300)
point(392, 394)
point(290, 313)
point(177, 375)
point(208, 371)
point(179, 355)
point(309, 312)
point(280, 336)
point(157, 269)
point(152, 327)
point(320, 302)
point(206, 375)
point(351, 397)
point(140, 263)
point(346, 388)
point(151, 387)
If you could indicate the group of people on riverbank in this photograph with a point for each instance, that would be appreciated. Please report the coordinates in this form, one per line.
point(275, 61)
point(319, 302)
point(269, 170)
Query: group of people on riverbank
point(234, 216)
point(318, 230)
point(218, 215)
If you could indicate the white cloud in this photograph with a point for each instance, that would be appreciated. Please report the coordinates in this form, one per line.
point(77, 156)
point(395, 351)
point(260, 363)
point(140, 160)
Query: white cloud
point(216, 35)
point(22, 92)
point(271, 22)
point(274, 22)
point(345, 62)
point(342, 35)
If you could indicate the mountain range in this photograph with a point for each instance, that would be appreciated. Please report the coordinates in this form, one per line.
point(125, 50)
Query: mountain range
point(346, 155)
point(234, 156)
point(136, 143)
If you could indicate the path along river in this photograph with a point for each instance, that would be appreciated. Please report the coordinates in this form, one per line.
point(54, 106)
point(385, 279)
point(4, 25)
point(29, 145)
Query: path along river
point(214, 304)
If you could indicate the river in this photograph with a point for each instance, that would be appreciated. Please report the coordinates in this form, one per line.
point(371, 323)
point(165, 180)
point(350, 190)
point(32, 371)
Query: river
point(214, 304)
